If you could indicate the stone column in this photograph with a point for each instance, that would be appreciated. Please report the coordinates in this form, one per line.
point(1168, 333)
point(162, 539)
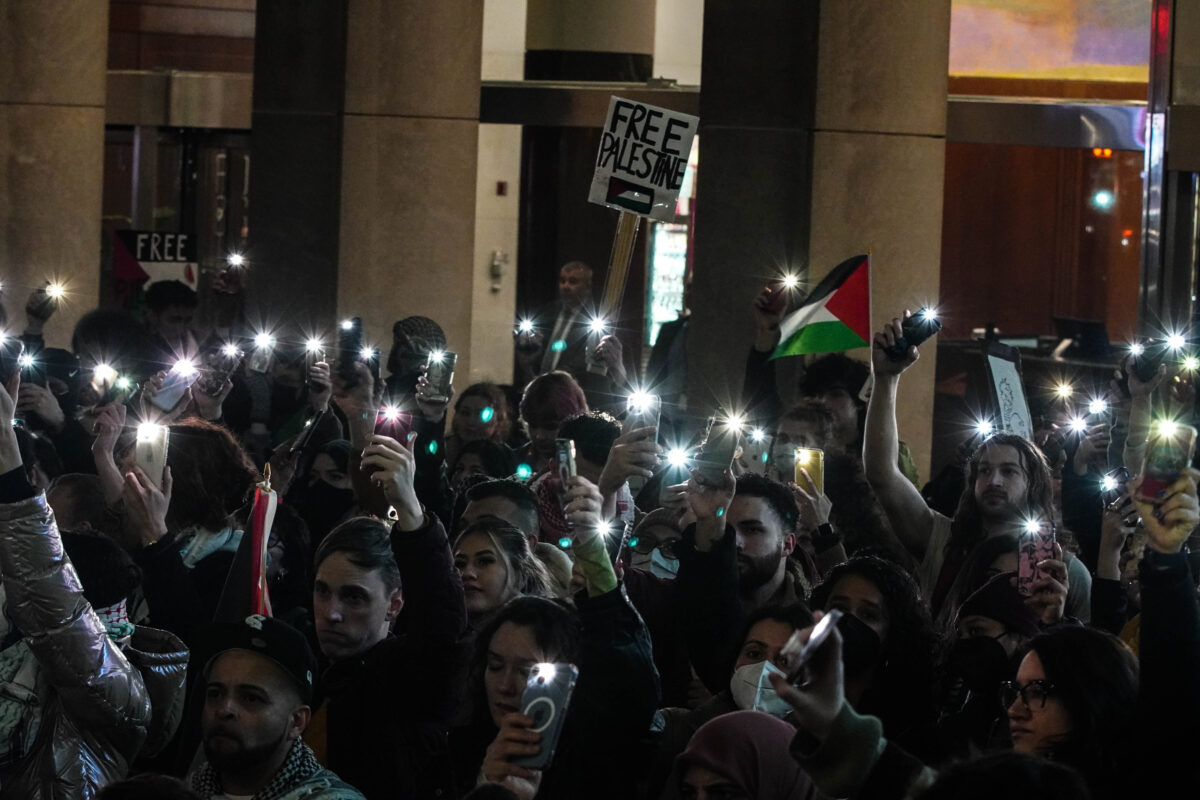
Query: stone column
point(365, 149)
point(822, 134)
point(52, 88)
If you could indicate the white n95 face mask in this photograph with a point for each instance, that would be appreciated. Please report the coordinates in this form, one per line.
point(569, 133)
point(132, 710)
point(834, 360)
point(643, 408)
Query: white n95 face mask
point(752, 690)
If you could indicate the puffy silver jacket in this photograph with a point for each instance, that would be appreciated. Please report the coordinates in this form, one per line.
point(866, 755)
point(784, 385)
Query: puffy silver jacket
point(101, 704)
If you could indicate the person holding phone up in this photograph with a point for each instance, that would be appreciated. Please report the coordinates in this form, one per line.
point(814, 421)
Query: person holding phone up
point(611, 706)
point(1078, 698)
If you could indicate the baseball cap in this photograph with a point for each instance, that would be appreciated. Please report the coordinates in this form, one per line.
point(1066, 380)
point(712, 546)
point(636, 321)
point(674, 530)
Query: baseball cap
point(268, 637)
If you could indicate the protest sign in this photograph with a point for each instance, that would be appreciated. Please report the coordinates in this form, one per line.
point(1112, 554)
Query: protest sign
point(642, 157)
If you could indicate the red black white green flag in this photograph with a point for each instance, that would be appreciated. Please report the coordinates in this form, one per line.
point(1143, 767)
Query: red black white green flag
point(836, 316)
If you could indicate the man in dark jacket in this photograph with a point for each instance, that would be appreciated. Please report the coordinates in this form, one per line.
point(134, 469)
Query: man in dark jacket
point(389, 698)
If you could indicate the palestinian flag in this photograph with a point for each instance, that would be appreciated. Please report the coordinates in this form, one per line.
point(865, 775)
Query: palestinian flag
point(639, 199)
point(245, 591)
point(836, 316)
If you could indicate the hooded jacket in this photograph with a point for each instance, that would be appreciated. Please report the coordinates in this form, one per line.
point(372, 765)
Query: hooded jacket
point(97, 703)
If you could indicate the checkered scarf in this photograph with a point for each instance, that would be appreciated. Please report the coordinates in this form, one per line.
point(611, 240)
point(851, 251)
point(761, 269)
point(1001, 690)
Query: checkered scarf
point(300, 765)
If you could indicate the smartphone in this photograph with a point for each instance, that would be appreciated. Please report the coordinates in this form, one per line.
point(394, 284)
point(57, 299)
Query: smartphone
point(717, 452)
point(119, 391)
point(182, 375)
point(795, 654)
point(219, 366)
point(914, 330)
point(31, 372)
point(641, 411)
point(1168, 454)
point(439, 374)
point(1113, 485)
point(1036, 543)
point(1146, 363)
point(546, 700)
point(757, 451)
point(391, 421)
point(150, 452)
point(564, 458)
point(260, 360)
point(314, 353)
point(813, 460)
point(350, 344)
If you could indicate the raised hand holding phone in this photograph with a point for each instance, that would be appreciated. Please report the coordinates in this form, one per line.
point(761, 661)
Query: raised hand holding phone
point(1170, 517)
point(516, 739)
point(817, 701)
point(147, 504)
point(394, 468)
point(884, 343)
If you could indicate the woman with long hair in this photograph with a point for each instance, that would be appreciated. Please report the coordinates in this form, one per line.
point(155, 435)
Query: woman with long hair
point(496, 564)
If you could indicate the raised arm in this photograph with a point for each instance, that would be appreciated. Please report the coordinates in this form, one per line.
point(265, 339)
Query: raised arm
point(95, 683)
point(910, 516)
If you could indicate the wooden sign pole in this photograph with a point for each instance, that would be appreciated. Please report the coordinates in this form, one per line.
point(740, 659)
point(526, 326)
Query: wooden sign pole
point(614, 284)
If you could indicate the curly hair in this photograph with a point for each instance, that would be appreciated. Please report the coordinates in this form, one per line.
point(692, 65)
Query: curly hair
point(211, 472)
point(902, 694)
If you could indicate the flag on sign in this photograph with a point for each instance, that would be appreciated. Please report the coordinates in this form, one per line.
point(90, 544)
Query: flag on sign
point(639, 199)
point(836, 316)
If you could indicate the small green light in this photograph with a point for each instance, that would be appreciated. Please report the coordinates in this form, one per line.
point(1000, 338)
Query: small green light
point(486, 414)
point(765, 456)
point(720, 512)
point(559, 345)
point(524, 471)
point(564, 542)
point(633, 541)
point(432, 448)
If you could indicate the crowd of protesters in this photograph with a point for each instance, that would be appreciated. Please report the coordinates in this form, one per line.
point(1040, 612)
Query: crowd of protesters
point(444, 559)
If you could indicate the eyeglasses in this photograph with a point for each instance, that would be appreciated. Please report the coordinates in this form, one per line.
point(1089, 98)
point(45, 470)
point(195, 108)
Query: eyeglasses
point(647, 542)
point(1032, 694)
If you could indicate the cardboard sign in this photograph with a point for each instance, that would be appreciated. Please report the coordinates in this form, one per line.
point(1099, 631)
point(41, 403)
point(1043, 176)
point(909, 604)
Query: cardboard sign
point(1006, 389)
point(643, 155)
point(150, 256)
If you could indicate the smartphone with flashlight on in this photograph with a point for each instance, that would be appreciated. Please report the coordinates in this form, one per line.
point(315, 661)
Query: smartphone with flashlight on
point(350, 345)
point(545, 701)
point(1035, 544)
point(219, 366)
point(642, 410)
point(314, 353)
point(1168, 454)
point(812, 460)
point(181, 376)
point(914, 330)
point(31, 371)
point(795, 653)
point(150, 451)
point(1112, 486)
point(439, 374)
point(393, 422)
point(718, 450)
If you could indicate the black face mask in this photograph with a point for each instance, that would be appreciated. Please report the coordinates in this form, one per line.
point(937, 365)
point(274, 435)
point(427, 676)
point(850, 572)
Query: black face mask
point(861, 646)
point(323, 507)
point(980, 662)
